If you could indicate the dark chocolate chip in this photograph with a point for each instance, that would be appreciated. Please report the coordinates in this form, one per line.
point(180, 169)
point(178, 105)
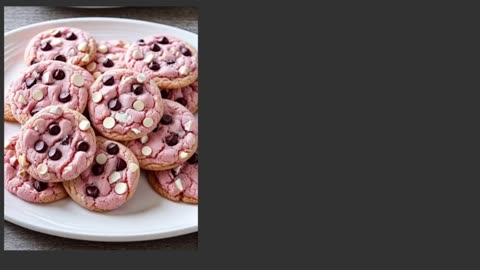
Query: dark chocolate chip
point(141, 42)
point(137, 89)
point(83, 146)
point(185, 51)
point(34, 111)
point(164, 93)
point(92, 191)
point(170, 61)
point(30, 82)
point(97, 169)
point(64, 97)
point(113, 149)
point(107, 63)
point(34, 61)
point(114, 104)
point(54, 154)
point(181, 101)
point(46, 46)
point(61, 58)
point(40, 146)
point(40, 186)
point(166, 119)
point(59, 74)
point(174, 172)
point(70, 36)
point(155, 47)
point(193, 159)
point(155, 129)
point(172, 139)
point(121, 164)
point(153, 65)
point(65, 140)
point(163, 40)
point(108, 80)
point(54, 129)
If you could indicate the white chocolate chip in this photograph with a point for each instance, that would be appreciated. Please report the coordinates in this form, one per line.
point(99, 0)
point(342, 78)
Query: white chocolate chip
point(84, 125)
point(177, 54)
point(141, 78)
point(37, 95)
point(136, 131)
point(78, 80)
point(82, 47)
point(22, 173)
point(56, 110)
point(114, 177)
point(148, 58)
point(42, 169)
point(91, 67)
point(138, 105)
point(183, 70)
point(96, 75)
point(47, 78)
point(137, 54)
point(121, 117)
point(112, 56)
point(183, 155)
point(71, 52)
point(97, 97)
point(120, 188)
point(102, 48)
point(133, 167)
point(126, 78)
point(101, 158)
point(13, 160)
point(22, 160)
point(21, 99)
point(55, 32)
point(188, 125)
point(147, 122)
point(126, 45)
point(146, 150)
point(108, 122)
point(86, 58)
point(178, 183)
point(144, 139)
point(56, 41)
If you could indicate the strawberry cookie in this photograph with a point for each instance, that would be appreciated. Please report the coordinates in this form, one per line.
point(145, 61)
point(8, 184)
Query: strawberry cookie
point(110, 55)
point(187, 96)
point(111, 180)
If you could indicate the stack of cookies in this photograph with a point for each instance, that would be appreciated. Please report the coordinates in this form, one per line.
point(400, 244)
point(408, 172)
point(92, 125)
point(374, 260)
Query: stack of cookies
point(94, 114)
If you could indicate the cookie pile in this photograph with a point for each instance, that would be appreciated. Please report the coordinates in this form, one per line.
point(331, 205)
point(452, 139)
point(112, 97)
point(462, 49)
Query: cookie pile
point(94, 114)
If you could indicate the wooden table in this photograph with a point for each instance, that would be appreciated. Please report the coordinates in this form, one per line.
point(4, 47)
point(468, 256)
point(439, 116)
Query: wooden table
point(17, 238)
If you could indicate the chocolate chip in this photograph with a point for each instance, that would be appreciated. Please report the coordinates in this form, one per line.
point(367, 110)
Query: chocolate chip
point(54, 154)
point(114, 104)
point(83, 146)
point(58, 34)
point(174, 172)
point(58, 74)
point(181, 101)
point(60, 58)
point(97, 169)
point(113, 149)
point(108, 63)
point(46, 46)
point(141, 42)
point(34, 61)
point(40, 186)
point(92, 191)
point(170, 61)
point(164, 93)
point(185, 51)
point(108, 80)
point(137, 89)
point(64, 97)
point(34, 111)
point(172, 139)
point(166, 119)
point(155, 48)
point(193, 159)
point(155, 129)
point(54, 129)
point(163, 40)
point(65, 140)
point(121, 164)
point(153, 65)
point(40, 146)
point(71, 36)
point(30, 82)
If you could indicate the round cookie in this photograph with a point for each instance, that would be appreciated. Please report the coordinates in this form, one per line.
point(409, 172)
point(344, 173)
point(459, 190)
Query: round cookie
point(56, 144)
point(49, 83)
point(124, 105)
point(110, 181)
point(187, 96)
point(66, 44)
point(171, 143)
point(170, 62)
point(18, 182)
point(110, 55)
point(178, 184)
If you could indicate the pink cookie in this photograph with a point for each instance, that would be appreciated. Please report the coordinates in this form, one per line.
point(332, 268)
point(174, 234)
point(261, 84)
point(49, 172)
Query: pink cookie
point(172, 143)
point(124, 105)
point(178, 184)
point(170, 62)
point(187, 96)
point(49, 83)
point(21, 184)
point(71, 45)
point(57, 144)
point(110, 55)
point(111, 180)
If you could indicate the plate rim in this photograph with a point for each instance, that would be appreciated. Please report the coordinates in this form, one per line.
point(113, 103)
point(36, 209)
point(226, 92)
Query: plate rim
point(181, 230)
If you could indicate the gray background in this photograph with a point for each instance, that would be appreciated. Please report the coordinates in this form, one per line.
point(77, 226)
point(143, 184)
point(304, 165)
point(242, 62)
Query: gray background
point(17, 238)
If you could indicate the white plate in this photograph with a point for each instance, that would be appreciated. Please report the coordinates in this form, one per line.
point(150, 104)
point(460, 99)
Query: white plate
point(146, 216)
